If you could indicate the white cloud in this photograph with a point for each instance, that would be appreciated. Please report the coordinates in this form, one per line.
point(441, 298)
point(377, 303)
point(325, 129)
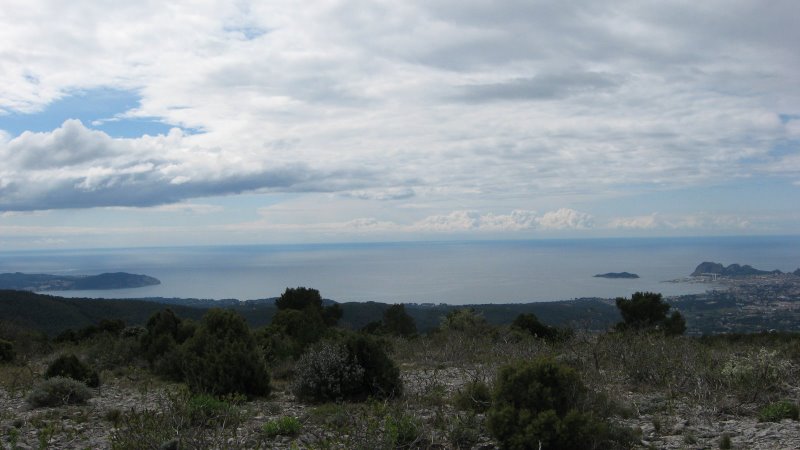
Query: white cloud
point(428, 106)
point(710, 222)
point(649, 222)
point(566, 219)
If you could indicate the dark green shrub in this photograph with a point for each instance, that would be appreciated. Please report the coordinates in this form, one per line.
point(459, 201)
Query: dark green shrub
point(475, 396)
point(775, 412)
point(539, 404)
point(222, 357)
point(7, 353)
point(381, 374)
point(353, 368)
point(159, 344)
point(327, 372)
point(70, 366)
point(58, 391)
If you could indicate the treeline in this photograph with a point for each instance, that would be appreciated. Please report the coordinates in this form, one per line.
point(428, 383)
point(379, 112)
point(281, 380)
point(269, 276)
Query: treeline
point(52, 315)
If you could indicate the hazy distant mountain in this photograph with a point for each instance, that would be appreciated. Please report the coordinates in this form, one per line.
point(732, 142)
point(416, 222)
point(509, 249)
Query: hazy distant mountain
point(734, 270)
point(44, 282)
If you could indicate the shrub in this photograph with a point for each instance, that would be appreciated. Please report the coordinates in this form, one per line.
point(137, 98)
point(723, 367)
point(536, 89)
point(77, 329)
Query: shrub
point(775, 412)
point(355, 368)
point(285, 426)
point(159, 345)
point(538, 404)
point(222, 357)
point(381, 374)
point(7, 353)
point(751, 376)
point(327, 372)
point(403, 430)
point(474, 396)
point(57, 391)
point(71, 367)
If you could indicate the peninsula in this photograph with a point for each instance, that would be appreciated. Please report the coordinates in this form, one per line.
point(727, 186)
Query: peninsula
point(44, 282)
point(734, 270)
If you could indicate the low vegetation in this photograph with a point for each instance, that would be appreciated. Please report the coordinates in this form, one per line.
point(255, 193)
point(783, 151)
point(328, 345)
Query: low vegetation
point(304, 382)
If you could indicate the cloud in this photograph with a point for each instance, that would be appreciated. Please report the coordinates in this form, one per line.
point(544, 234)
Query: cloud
point(566, 219)
point(648, 222)
point(495, 101)
point(75, 167)
point(517, 220)
point(541, 87)
point(656, 221)
point(382, 194)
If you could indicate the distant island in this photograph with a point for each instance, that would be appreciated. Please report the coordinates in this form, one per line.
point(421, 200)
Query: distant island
point(617, 275)
point(44, 282)
point(734, 270)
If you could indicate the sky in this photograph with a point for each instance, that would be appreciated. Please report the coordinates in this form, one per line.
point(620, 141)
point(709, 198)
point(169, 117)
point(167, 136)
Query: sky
point(230, 122)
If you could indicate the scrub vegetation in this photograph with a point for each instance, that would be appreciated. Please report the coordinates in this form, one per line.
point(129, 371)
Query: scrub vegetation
point(303, 381)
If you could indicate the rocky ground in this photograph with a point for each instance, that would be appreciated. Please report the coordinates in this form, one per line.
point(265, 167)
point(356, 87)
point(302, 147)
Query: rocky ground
point(663, 424)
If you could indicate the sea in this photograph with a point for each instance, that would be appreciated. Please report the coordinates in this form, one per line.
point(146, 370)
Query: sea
point(463, 272)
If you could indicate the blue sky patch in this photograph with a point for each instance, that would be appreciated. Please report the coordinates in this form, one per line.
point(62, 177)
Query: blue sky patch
point(96, 108)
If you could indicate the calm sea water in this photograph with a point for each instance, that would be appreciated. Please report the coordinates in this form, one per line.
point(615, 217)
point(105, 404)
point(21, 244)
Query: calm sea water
point(447, 272)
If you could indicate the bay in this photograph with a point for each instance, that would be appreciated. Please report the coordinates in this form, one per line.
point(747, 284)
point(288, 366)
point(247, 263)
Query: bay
point(464, 272)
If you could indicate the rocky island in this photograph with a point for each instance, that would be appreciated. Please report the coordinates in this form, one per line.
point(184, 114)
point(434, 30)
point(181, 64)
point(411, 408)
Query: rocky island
point(616, 275)
point(44, 282)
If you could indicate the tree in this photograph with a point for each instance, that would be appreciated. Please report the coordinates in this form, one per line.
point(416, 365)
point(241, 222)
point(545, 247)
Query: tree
point(648, 311)
point(299, 298)
point(397, 321)
point(301, 320)
point(531, 324)
point(464, 319)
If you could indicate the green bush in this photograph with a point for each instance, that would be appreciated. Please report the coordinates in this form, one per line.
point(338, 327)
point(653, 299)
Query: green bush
point(207, 410)
point(775, 412)
point(327, 372)
point(71, 367)
point(539, 404)
point(285, 426)
point(159, 345)
point(475, 396)
point(222, 357)
point(403, 430)
point(355, 368)
point(7, 353)
point(755, 374)
point(58, 391)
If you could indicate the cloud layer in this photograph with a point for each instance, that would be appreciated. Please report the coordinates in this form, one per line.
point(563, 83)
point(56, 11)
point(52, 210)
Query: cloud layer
point(479, 108)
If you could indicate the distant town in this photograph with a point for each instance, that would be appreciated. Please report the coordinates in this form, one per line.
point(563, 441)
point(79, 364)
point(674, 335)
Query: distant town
point(768, 301)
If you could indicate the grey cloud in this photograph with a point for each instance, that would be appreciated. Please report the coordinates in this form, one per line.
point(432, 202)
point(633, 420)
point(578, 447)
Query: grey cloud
point(542, 87)
point(74, 167)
